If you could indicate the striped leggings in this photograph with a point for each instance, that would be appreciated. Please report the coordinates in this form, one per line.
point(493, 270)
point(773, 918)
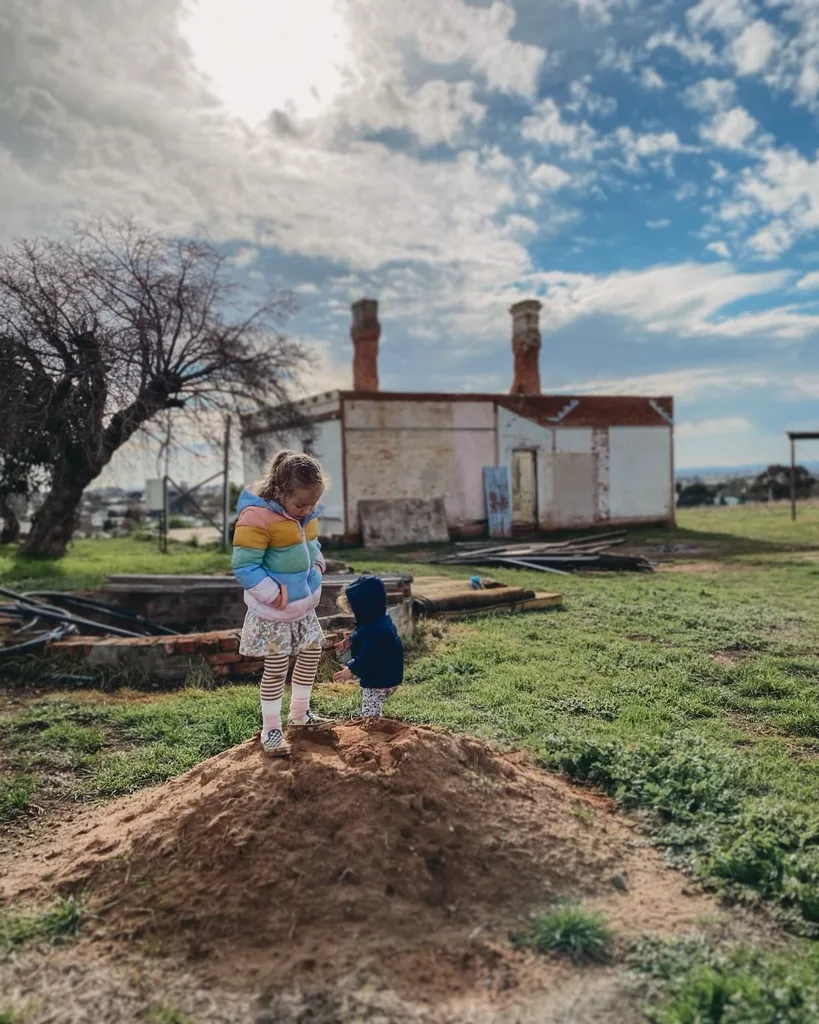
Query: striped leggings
point(274, 677)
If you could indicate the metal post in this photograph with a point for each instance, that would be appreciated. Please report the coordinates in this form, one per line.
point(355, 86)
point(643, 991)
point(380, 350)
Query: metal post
point(793, 479)
point(166, 517)
point(226, 489)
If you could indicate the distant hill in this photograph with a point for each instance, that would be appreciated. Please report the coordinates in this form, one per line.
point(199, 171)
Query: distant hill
point(724, 472)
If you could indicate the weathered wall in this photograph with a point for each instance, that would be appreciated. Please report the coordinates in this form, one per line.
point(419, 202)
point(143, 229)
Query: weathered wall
point(516, 432)
point(640, 469)
point(258, 448)
point(592, 475)
point(410, 449)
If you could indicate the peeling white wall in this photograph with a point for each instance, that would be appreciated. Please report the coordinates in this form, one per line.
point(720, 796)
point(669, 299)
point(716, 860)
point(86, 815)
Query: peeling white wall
point(516, 432)
point(411, 449)
point(326, 447)
point(640, 477)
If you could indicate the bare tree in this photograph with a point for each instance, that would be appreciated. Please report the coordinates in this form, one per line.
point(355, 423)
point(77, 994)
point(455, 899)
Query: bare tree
point(113, 327)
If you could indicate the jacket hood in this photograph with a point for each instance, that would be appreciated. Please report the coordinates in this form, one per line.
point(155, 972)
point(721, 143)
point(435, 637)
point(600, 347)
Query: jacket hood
point(247, 499)
point(367, 598)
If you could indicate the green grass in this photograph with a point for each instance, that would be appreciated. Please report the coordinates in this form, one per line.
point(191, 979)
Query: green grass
point(88, 562)
point(692, 981)
point(571, 930)
point(15, 796)
point(56, 926)
point(755, 525)
point(101, 750)
point(165, 1015)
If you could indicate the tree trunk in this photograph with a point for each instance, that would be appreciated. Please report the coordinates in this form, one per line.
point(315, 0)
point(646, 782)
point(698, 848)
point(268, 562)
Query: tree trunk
point(10, 534)
point(53, 525)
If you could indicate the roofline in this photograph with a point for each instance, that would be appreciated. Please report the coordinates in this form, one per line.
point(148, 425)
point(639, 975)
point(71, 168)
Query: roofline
point(469, 396)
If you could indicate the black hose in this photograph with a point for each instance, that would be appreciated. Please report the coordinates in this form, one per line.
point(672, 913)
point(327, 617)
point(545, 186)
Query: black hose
point(110, 611)
point(38, 641)
point(42, 610)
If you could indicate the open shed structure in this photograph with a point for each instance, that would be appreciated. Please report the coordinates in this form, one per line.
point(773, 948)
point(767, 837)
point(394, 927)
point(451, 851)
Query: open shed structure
point(793, 437)
point(570, 460)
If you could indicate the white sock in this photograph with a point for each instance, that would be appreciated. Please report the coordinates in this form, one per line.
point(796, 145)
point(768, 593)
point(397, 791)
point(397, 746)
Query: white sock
point(271, 715)
point(304, 675)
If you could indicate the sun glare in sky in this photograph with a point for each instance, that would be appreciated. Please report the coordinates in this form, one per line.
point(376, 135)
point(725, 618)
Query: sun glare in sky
point(263, 55)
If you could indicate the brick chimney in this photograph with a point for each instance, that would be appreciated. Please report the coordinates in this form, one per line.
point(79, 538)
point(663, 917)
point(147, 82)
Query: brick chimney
point(526, 347)
point(365, 332)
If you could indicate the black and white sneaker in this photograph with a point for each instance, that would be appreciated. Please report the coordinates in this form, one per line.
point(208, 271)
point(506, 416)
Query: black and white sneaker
point(274, 744)
point(309, 719)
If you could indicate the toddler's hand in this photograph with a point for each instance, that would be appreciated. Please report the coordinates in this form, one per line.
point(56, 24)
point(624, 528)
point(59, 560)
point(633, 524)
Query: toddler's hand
point(342, 645)
point(343, 676)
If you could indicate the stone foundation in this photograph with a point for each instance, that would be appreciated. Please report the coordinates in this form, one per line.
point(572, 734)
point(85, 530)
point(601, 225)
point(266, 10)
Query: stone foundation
point(161, 658)
point(208, 603)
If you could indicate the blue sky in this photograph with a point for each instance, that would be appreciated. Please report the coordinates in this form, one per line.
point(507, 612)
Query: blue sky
point(648, 170)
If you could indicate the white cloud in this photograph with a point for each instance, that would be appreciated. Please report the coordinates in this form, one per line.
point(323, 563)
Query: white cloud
point(698, 383)
point(245, 256)
point(772, 240)
point(656, 148)
point(655, 225)
point(810, 282)
point(449, 31)
point(584, 100)
point(651, 79)
point(697, 51)
point(725, 441)
point(547, 127)
point(730, 129)
point(122, 132)
point(719, 15)
point(613, 59)
point(710, 94)
point(720, 173)
point(719, 425)
point(550, 177)
point(437, 112)
point(752, 50)
point(599, 11)
point(784, 187)
point(684, 299)
point(719, 249)
point(796, 64)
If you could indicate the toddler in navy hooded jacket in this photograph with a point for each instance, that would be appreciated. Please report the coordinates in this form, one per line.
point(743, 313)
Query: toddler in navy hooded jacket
point(377, 654)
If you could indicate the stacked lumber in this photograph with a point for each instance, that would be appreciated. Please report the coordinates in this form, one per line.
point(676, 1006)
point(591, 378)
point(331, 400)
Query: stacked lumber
point(447, 598)
point(591, 553)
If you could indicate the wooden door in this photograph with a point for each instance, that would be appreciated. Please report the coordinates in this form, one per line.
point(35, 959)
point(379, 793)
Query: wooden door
point(524, 489)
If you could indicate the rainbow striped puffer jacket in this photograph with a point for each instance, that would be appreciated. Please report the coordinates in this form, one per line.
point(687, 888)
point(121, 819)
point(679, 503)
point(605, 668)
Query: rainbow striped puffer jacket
point(276, 559)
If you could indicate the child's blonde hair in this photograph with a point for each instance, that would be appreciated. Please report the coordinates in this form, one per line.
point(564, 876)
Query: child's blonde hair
point(287, 471)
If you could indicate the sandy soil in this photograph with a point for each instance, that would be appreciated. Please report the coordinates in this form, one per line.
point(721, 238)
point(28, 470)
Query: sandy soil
point(376, 874)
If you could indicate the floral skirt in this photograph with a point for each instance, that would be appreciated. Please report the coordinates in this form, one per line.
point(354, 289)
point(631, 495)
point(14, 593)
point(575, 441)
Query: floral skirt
point(263, 637)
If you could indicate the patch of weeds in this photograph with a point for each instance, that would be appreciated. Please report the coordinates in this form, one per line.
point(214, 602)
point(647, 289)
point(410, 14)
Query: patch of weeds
point(605, 710)
point(10, 1017)
point(165, 1015)
point(678, 776)
point(77, 738)
point(802, 722)
point(15, 796)
point(689, 981)
point(56, 926)
point(711, 815)
point(571, 930)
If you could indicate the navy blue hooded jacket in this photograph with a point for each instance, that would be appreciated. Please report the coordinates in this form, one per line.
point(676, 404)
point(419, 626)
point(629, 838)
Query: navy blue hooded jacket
point(376, 648)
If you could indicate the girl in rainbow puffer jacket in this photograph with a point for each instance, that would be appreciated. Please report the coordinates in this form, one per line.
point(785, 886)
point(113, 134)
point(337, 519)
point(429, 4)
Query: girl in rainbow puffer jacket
point(277, 560)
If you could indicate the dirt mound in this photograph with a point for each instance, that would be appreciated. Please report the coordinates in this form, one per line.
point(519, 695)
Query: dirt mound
point(379, 846)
